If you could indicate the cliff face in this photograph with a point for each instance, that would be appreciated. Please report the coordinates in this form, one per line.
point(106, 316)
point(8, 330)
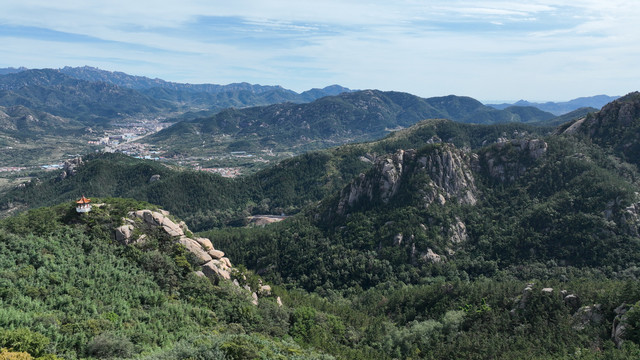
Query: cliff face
point(439, 174)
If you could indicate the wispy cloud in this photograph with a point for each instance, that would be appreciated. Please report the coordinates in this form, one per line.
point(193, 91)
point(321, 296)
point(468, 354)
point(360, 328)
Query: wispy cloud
point(486, 49)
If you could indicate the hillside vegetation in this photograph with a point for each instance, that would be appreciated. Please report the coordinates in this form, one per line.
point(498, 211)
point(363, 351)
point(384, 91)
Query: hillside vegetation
point(442, 240)
point(329, 121)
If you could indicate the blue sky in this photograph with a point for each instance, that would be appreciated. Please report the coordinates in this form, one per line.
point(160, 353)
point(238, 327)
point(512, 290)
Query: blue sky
point(490, 50)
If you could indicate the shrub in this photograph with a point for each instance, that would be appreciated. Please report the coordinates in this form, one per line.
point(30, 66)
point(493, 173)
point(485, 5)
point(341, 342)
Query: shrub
point(108, 345)
point(24, 340)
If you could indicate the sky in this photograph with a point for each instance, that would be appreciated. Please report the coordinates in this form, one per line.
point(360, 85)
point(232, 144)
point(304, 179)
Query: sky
point(537, 50)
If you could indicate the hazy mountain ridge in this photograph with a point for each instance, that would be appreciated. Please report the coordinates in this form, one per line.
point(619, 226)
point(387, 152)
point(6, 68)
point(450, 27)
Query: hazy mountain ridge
point(150, 93)
point(141, 82)
point(561, 108)
point(329, 121)
point(51, 91)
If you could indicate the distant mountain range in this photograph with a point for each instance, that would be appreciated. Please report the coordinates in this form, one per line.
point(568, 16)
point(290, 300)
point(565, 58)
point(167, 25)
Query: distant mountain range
point(201, 96)
point(561, 108)
point(234, 117)
point(329, 121)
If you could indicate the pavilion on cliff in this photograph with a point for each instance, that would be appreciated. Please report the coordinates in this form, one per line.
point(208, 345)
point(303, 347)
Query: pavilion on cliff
point(83, 205)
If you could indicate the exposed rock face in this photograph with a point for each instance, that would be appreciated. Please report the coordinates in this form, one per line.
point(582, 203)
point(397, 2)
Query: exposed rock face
point(627, 217)
point(397, 240)
point(154, 178)
point(573, 301)
point(217, 270)
point(431, 256)
point(458, 232)
point(196, 249)
point(447, 170)
point(504, 164)
point(213, 263)
point(587, 315)
point(382, 182)
point(123, 233)
point(619, 324)
point(619, 113)
point(631, 218)
point(451, 177)
point(69, 168)
point(523, 300)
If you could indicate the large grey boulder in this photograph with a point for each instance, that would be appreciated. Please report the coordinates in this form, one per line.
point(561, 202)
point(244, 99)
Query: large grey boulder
point(170, 227)
point(216, 254)
point(215, 270)
point(123, 233)
point(196, 249)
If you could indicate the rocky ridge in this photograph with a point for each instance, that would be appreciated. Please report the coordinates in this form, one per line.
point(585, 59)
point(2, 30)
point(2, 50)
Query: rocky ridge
point(507, 160)
point(212, 262)
point(447, 170)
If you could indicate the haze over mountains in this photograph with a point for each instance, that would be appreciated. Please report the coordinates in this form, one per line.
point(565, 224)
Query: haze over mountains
point(561, 108)
point(212, 96)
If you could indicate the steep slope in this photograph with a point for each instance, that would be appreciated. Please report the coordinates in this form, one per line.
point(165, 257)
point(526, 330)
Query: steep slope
point(615, 126)
point(517, 202)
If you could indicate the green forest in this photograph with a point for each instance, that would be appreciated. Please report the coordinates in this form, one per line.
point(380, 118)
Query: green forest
point(440, 241)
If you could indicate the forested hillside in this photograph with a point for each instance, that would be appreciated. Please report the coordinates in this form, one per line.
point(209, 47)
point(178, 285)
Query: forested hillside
point(206, 200)
point(329, 121)
point(90, 102)
point(443, 240)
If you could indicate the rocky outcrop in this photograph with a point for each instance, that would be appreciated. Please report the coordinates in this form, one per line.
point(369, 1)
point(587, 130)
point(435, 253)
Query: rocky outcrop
point(586, 315)
point(631, 218)
point(69, 168)
point(572, 301)
point(431, 257)
point(509, 159)
point(619, 324)
point(382, 183)
point(450, 176)
point(216, 269)
point(627, 217)
point(458, 232)
point(522, 301)
point(124, 233)
point(213, 262)
point(441, 174)
point(196, 249)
